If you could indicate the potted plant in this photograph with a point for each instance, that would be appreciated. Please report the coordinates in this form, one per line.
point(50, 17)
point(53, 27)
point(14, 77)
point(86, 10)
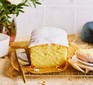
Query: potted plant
point(10, 8)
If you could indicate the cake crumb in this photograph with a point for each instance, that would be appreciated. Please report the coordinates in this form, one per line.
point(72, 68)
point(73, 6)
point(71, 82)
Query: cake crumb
point(69, 79)
point(42, 83)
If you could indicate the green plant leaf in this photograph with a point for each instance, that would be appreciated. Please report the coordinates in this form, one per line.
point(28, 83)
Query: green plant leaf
point(2, 1)
point(38, 3)
point(6, 8)
point(21, 11)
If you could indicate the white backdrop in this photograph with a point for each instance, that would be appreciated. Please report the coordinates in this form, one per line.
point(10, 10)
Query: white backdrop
point(69, 15)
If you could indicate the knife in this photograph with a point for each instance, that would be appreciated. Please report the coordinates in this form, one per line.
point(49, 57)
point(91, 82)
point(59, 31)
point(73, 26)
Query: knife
point(20, 68)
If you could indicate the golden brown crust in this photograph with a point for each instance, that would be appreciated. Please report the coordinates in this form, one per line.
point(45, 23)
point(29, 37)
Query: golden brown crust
point(49, 70)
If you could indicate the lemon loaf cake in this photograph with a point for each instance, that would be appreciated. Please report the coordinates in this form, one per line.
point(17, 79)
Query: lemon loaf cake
point(48, 47)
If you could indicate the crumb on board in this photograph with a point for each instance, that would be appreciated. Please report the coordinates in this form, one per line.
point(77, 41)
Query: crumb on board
point(42, 83)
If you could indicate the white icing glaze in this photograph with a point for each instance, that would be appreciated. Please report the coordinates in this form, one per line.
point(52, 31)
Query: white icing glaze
point(48, 35)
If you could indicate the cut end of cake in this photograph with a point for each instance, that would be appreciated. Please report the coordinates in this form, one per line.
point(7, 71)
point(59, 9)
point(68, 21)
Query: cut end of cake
point(48, 55)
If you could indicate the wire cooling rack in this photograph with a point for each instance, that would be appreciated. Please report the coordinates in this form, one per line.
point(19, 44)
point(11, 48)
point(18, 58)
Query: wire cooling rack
point(70, 71)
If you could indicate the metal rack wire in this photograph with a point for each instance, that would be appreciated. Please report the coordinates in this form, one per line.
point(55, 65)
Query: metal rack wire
point(70, 71)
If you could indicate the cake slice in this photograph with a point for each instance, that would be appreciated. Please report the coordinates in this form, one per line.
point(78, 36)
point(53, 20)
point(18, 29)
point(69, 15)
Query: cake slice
point(48, 48)
point(85, 55)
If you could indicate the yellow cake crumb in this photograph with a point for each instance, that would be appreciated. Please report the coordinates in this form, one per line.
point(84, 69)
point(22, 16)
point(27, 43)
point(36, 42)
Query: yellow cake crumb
point(48, 55)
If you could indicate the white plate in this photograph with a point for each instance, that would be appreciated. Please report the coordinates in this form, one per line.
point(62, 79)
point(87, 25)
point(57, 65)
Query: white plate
point(78, 60)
